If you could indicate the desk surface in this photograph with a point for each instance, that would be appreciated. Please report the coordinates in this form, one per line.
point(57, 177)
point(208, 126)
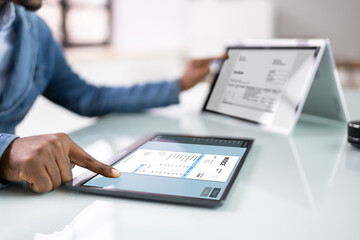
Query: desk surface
point(305, 186)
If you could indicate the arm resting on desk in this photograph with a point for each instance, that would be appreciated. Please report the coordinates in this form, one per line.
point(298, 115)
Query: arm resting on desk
point(70, 91)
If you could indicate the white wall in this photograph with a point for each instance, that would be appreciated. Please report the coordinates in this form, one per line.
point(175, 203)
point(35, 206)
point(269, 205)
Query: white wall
point(166, 25)
point(148, 25)
point(337, 20)
point(192, 27)
point(210, 24)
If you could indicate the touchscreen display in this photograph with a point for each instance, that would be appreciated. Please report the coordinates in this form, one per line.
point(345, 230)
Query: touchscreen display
point(262, 84)
point(179, 165)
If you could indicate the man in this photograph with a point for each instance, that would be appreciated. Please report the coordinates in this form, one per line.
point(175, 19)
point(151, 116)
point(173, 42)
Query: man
point(32, 63)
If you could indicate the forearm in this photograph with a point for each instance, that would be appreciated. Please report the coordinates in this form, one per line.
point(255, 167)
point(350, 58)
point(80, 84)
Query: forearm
point(106, 100)
point(89, 100)
point(69, 90)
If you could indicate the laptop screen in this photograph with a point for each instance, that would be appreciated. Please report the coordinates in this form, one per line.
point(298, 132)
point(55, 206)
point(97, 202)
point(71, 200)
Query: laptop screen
point(263, 85)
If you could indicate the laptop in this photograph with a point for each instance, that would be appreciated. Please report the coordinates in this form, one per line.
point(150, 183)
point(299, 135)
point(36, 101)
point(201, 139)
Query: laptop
point(270, 83)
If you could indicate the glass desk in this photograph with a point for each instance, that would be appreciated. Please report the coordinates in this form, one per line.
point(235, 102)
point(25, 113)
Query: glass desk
point(303, 186)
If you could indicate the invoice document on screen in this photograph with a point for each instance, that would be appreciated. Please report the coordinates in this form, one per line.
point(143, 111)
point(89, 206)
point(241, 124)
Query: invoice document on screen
point(252, 82)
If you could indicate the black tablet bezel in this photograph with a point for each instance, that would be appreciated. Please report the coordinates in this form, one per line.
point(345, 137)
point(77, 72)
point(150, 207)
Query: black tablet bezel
point(77, 183)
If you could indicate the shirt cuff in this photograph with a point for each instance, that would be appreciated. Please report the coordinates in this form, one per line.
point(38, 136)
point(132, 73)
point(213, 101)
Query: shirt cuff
point(174, 92)
point(5, 140)
point(3, 183)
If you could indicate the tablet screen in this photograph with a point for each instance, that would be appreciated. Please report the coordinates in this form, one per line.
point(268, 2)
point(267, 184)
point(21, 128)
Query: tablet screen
point(197, 167)
point(264, 85)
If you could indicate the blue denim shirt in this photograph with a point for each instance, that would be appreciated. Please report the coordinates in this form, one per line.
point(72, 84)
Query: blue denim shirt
point(7, 42)
point(40, 68)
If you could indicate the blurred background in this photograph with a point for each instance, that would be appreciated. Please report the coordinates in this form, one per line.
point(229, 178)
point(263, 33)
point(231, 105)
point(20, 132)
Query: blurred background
point(122, 42)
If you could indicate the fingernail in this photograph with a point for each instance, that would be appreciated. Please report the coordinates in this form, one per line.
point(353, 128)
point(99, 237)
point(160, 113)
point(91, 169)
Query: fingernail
point(115, 171)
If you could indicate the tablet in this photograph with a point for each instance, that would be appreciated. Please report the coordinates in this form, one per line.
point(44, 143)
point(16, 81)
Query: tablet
point(268, 82)
point(173, 168)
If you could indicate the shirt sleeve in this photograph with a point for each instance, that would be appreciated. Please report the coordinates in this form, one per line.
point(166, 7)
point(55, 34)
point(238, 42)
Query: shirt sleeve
point(5, 140)
point(70, 91)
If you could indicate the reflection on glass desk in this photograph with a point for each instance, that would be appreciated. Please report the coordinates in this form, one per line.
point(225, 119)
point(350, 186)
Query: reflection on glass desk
point(303, 186)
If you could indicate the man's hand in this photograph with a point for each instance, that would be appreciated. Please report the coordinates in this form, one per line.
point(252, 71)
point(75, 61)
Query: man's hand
point(45, 161)
point(195, 71)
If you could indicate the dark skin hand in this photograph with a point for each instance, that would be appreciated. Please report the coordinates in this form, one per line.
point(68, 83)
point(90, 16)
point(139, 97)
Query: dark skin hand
point(196, 70)
point(45, 161)
point(32, 5)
